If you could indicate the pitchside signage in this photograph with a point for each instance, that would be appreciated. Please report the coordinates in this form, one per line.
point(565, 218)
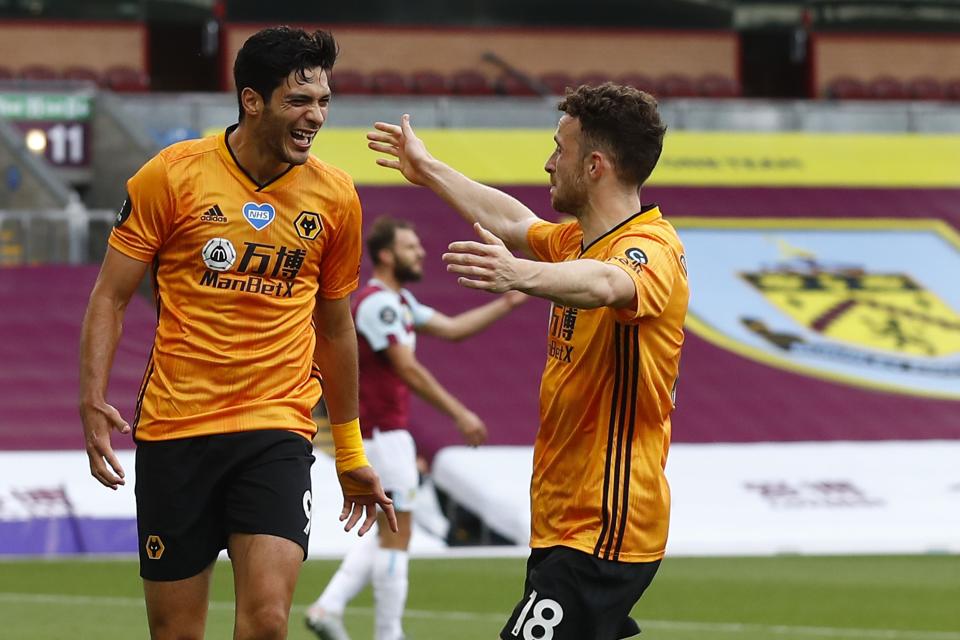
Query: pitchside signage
point(872, 303)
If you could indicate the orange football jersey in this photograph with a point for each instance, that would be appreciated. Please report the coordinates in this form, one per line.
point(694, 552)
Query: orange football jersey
point(606, 396)
point(236, 271)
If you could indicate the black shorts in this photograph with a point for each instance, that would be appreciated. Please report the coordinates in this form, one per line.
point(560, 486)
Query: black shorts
point(572, 595)
point(193, 493)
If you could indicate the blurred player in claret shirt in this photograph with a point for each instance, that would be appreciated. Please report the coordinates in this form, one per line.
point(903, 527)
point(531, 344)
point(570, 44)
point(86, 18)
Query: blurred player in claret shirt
point(618, 282)
point(388, 318)
point(254, 247)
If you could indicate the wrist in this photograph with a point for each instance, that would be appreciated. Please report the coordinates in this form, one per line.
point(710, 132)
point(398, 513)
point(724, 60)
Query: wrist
point(348, 446)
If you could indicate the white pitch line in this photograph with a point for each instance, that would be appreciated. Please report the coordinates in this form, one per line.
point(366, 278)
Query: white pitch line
point(460, 616)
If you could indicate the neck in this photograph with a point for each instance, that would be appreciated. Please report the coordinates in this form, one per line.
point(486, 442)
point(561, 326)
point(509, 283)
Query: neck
point(385, 275)
point(605, 209)
point(255, 159)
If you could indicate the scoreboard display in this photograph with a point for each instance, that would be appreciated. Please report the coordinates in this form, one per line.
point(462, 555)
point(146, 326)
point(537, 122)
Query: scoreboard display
point(55, 125)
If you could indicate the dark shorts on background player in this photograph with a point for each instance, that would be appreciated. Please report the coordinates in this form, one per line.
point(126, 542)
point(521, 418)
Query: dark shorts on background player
point(193, 493)
point(572, 595)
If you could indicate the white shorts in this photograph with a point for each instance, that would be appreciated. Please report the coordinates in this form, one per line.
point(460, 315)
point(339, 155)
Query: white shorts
point(394, 456)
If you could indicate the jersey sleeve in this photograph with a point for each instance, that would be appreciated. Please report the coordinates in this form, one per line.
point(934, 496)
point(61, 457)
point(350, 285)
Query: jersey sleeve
point(340, 267)
point(653, 266)
point(421, 312)
point(379, 320)
point(144, 221)
point(551, 242)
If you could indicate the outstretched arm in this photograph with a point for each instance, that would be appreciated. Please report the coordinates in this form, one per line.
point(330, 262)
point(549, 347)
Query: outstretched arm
point(102, 325)
point(336, 357)
point(584, 283)
point(503, 214)
point(404, 362)
point(473, 321)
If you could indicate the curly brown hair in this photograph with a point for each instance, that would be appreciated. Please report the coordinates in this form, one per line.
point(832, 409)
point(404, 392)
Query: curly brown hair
point(622, 121)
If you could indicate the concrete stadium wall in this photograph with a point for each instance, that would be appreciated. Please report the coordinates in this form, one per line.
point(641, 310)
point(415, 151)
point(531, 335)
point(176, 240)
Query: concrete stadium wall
point(868, 56)
point(572, 51)
point(97, 45)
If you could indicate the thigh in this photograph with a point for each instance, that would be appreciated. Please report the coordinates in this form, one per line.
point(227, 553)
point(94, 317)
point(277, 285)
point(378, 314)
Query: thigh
point(179, 508)
point(572, 595)
point(265, 571)
point(269, 489)
point(394, 456)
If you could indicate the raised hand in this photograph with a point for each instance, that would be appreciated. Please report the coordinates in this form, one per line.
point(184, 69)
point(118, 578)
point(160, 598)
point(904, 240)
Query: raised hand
point(408, 153)
point(487, 265)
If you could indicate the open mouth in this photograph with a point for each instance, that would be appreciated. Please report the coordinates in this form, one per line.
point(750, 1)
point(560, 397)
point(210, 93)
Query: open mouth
point(302, 138)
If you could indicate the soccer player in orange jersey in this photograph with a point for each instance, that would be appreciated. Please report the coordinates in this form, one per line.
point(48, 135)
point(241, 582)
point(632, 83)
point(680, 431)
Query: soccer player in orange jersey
point(253, 246)
point(617, 279)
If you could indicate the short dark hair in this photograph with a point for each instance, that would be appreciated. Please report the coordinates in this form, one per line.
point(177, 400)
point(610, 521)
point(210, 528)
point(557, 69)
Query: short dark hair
point(270, 55)
point(622, 121)
point(382, 233)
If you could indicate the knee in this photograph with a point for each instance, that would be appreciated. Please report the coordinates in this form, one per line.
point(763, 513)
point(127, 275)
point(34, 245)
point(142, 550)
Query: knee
point(264, 622)
point(174, 628)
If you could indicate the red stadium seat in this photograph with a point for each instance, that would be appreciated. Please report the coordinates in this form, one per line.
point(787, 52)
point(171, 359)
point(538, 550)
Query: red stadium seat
point(6, 73)
point(717, 86)
point(511, 85)
point(557, 82)
point(389, 82)
point(846, 88)
point(126, 79)
point(926, 88)
point(674, 85)
point(470, 83)
point(82, 74)
point(39, 72)
point(429, 83)
point(347, 81)
point(638, 81)
point(593, 78)
point(952, 89)
point(887, 88)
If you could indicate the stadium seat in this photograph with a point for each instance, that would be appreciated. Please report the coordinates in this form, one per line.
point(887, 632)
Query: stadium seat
point(926, 88)
point(846, 88)
point(557, 82)
point(470, 83)
point(675, 85)
point(126, 79)
point(638, 81)
point(6, 73)
point(428, 83)
point(717, 86)
point(952, 89)
point(593, 78)
point(389, 82)
point(512, 85)
point(348, 81)
point(82, 74)
point(39, 72)
point(887, 88)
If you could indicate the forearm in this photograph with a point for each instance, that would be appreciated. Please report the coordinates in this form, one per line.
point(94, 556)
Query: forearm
point(336, 357)
point(422, 383)
point(479, 318)
point(585, 284)
point(99, 336)
point(495, 210)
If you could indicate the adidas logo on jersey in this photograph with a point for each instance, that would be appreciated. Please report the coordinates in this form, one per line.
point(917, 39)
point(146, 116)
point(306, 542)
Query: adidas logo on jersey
point(213, 214)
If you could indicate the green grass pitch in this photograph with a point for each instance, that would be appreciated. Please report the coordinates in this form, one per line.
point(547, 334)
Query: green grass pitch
point(779, 598)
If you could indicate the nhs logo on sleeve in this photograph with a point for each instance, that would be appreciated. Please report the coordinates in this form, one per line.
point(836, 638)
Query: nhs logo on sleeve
point(259, 215)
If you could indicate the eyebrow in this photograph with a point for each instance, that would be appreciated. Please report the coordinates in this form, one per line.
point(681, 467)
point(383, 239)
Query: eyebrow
point(303, 96)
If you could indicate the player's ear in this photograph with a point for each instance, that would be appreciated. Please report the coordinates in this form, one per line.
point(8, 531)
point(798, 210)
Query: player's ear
point(252, 102)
